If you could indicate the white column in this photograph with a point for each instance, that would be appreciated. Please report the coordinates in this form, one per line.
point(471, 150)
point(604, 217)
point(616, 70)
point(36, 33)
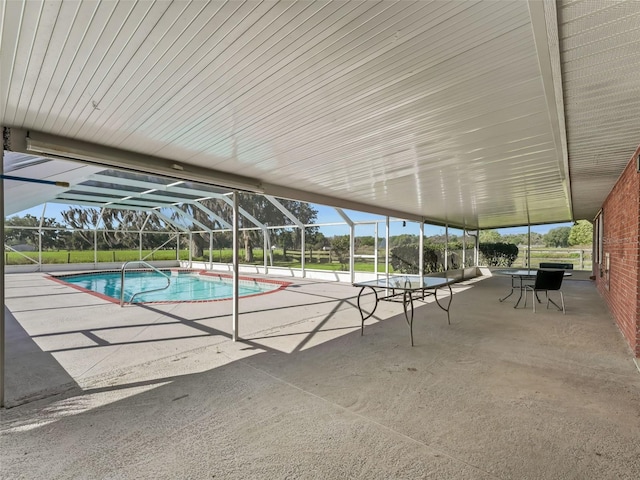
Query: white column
point(95, 240)
point(44, 209)
point(210, 250)
point(476, 251)
point(352, 235)
point(265, 246)
point(386, 248)
point(446, 247)
point(421, 252)
point(352, 252)
point(2, 324)
point(464, 247)
point(529, 246)
point(190, 248)
point(375, 250)
point(95, 247)
point(235, 310)
point(303, 232)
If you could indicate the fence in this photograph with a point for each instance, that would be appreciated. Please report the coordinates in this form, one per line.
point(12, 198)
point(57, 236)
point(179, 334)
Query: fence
point(579, 258)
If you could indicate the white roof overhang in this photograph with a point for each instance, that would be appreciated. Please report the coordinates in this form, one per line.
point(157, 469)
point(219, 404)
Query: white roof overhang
point(476, 114)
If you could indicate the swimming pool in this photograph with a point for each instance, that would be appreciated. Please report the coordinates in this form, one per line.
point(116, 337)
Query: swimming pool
point(185, 286)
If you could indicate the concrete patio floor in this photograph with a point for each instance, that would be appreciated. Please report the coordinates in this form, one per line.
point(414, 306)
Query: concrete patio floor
point(161, 391)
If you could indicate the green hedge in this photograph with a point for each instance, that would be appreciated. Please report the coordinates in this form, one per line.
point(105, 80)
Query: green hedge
point(405, 259)
point(498, 254)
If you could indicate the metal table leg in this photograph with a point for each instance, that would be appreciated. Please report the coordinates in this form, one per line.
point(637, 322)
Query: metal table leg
point(407, 300)
point(520, 297)
point(435, 294)
point(511, 292)
point(362, 313)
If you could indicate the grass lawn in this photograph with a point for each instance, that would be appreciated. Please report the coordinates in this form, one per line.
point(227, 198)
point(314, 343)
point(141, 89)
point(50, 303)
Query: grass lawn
point(87, 256)
point(317, 260)
point(320, 260)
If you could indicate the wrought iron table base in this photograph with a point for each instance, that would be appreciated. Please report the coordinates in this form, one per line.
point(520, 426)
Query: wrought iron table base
point(519, 287)
point(406, 297)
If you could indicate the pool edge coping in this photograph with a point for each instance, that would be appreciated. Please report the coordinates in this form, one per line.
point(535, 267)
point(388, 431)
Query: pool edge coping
point(283, 284)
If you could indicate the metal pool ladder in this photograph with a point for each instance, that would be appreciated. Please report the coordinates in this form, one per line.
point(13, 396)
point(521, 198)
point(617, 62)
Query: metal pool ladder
point(140, 262)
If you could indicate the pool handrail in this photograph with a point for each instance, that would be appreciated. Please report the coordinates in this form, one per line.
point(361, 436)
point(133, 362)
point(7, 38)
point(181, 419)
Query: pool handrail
point(140, 262)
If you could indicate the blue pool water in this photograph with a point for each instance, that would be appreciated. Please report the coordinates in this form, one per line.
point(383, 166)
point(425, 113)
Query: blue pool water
point(185, 286)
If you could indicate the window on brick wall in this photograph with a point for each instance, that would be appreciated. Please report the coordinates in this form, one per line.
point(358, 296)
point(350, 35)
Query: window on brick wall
point(601, 259)
point(599, 238)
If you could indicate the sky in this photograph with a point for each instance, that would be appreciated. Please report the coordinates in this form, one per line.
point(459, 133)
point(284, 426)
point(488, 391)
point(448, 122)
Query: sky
point(329, 215)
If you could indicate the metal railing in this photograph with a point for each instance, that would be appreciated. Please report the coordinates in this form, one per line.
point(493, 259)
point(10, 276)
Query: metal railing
point(140, 262)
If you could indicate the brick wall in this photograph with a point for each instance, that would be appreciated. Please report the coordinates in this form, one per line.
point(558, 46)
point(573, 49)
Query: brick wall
point(621, 212)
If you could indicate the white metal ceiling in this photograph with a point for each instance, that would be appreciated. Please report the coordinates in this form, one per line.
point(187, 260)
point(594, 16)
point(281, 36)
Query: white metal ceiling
point(600, 49)
point(446, 110)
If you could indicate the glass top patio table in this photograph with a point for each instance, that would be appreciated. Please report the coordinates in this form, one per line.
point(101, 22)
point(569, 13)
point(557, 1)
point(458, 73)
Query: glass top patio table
point(518, 277)
point(404, 289)
point(406, 282)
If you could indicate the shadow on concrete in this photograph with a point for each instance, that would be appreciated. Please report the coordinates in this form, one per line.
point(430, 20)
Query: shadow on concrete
point(499, 393)
point(30, 373)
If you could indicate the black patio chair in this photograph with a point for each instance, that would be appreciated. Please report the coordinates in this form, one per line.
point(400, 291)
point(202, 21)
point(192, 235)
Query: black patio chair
point(546, 280)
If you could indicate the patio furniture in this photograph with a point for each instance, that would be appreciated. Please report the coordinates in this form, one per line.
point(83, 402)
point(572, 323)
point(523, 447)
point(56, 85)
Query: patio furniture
point(518, 281)
point(546, 281)
point(404, 290)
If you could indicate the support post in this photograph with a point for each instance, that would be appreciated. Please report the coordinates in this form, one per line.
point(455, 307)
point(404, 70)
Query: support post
point(352, 234)
point(2, 307)
point(190, 248)
point(265, 248)
point(95, 247)
point(352, 252)
point(303, 232)
point(464, 247)
point(386, 247)
point(375, 250)
point(95, 240)
point(178, 246)
point(529, 246)
point(44, 209)
point(234, 312)
point(210, 250)
point(421, 252)
point(446, 247)
point(476, 251)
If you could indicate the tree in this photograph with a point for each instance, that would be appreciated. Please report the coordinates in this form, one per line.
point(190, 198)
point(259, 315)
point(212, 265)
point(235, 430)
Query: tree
point(340, 245)
point(498, 254)
point(319, 241)
point(116, 228)
point(403, 239)
point(50, 238)
point(557, 237)
point(490, 236)
point(522, 238)
point(18, 236)
point(581, 233)
point(263, 210)
point(406, 259)
point(367, 241)
point(286, 240)
point(257, 206)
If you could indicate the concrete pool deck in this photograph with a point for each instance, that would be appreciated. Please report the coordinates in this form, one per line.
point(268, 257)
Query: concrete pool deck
point(160, 391)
